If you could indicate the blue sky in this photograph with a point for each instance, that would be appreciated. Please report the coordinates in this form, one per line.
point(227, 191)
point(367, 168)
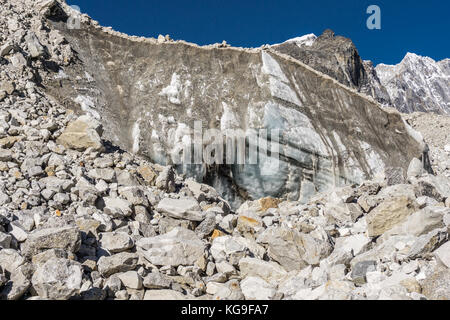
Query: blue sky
point(415, 26)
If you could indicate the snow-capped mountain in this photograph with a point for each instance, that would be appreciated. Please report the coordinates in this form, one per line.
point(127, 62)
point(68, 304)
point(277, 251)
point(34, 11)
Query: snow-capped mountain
point(337, 57)
point(417, 84)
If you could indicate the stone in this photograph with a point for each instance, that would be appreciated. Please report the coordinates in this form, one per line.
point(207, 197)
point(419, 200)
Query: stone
point(435, 287)
point(117, 208)
point(6, 155)
point(106, 174)
point(163, 294)
point(421, 222)
point(248, 226)
point(83, 133)
point(345, 248)
point(166, 180)
point(187, 209)
point(415, 168)
point(411, 285)
point(394, 175)
point(157, 280)
point(17, 231)
point(266, 270)
point(6, 49)
point(35, 48)
point(16, 287)
point(177, 247)
point(5, 240)
point(58, 279)
point(360, 270)
point(291, 249)
point(388, 214)
point(148, 174)
point(7, 86)
point(43, 257)
point(228, 223)
point(255, 288)
point(233, 249)
point(67, 238)
point(120, 262)
point(437, 187)
point(8, 142)
point(442, 254)
point(426, 244)
point(201, 192)
point(135, 195)
point(131, 279)
point(115, 242)
point(10, 260)
point(207, 226)
point(112, 285)
point(225, 268)
point(343, 214)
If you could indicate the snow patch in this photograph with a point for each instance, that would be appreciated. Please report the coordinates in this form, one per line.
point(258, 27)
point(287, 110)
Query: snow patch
point(136, 135)
point(172, 91)
point(307, 40)
point(87, 105)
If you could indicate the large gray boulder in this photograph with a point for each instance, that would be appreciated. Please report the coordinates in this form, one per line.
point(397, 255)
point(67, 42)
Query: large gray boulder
point(83, 133)
point(177, 247)
point(67, 238)
point(58, 279)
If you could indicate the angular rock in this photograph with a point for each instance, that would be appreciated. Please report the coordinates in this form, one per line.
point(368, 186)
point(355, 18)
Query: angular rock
point(187, 209)
point(83, 133)
point(177, 247)
point(116, 242)
point(360, 270)
point(442, 254)
point(131, 279)
point(292, 249)
point(35, 48)
point(156, 280)
point(106, 174)
point(233, 249)
point(120, 262)
point(435, 287)
point(421, 222)
point(268, 271)
point(67, 238)
point(10, 260)
point(388, 214)
point(117, 208)
point(16, 287)
point(5, 240)
point(437, 187)
point(415, 168)
point(255, 288)
point(58, 279)
point(166, 180)
point(164, 294)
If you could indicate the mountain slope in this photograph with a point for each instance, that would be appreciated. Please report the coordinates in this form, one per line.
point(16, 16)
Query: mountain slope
point(418, 84)
point(337, 57)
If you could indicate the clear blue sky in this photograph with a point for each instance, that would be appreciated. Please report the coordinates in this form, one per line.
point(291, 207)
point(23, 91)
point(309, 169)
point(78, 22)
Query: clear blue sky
point(422, 27)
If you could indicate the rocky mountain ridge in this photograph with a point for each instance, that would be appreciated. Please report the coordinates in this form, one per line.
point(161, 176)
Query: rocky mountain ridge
point(416, 84)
